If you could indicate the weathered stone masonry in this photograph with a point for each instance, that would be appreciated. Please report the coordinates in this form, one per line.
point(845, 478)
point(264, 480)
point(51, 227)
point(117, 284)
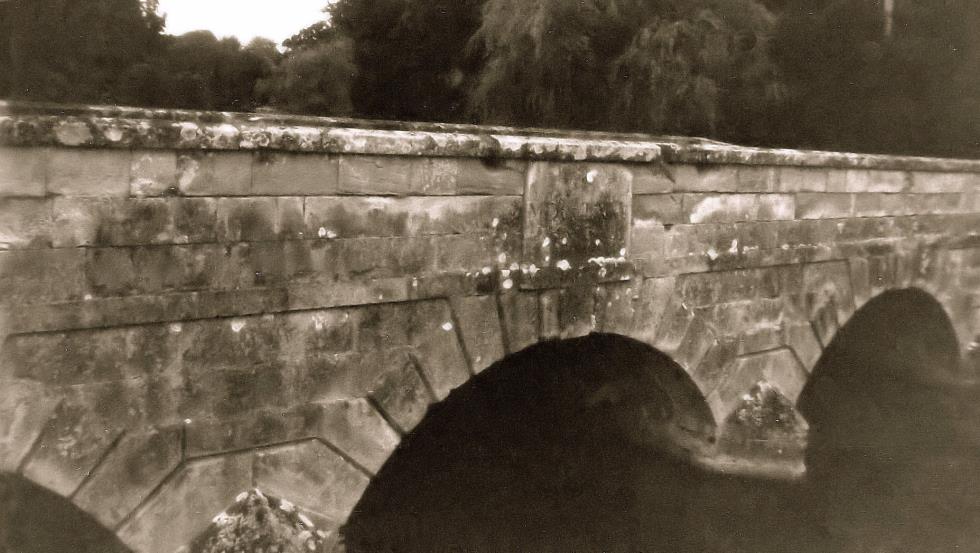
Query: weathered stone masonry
point(195, 304)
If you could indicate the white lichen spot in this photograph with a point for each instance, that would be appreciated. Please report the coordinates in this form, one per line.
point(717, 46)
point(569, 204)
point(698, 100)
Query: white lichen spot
point(259, 493)
point(592, 320)
point(175, 328)
point(502, 258)
point(331, 234)
point(591, 175)
point(495, 222)
point(220, 518)
point(546, 242)
point(622, 251)
point(241, 497)
point(508, 284)
point(322, 232)
point(415, 282)
point(305, 520)
point(87, 297)
point(113, 134)
point(505, 273)
point(447, 326)
point(564, 265)
point(514, 266)
point(712, 254)
point(564, 240)
point(237, 325)
point(286, 506)
point(734, 249)
point(602, 272)
point(187, 421)
point(486, 270)
point(547, 258)
point(784, 247)
point(597, 241)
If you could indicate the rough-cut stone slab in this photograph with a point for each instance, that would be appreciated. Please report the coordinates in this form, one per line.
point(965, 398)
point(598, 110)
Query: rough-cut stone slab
point(153, 173)
point(574, 212)
point(22, 172)
point(25, 223)
point(651, 300)
point(283, 174)
point(357, 429)
point(829, 299)
point(138, 463)
point(27, 408)
point(186, 503)
point(433, 335)
point(311, 475)
point(520, 319)
point(479, 326)
point(401, 393)
point(214, 173)
point(76, 172)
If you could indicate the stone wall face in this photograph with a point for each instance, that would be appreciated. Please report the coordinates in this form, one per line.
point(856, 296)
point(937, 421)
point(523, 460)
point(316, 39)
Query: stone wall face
point(195, 306)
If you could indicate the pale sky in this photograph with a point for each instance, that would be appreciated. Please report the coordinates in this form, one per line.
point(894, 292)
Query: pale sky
point(244, 19)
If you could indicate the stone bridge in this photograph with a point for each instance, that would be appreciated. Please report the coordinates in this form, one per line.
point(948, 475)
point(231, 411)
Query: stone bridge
point(198, 304)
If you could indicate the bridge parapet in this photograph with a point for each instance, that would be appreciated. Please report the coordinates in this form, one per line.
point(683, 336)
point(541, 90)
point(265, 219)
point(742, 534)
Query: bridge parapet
point(200, 303)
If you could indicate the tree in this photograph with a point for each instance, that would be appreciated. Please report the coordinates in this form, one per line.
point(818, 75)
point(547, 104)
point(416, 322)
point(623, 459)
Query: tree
point(313, 80)
point(411, 55)
point(75, 50)
point(680, 66)
point(854, 86)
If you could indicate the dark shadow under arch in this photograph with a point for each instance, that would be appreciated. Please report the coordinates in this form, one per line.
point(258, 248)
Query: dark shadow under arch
point(36, 520)
point(533, 455)
point(894, 442)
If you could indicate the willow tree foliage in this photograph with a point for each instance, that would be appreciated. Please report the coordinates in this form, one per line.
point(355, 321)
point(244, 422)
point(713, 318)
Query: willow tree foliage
point(313, 79)
point(679, 66)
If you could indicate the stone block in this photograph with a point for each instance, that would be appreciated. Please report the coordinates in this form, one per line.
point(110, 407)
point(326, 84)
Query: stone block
point(548, 314)
point(246, 219)
point(477, 176)
point(576, 311)
point(803, 341)
point(650, 302)
point(758, 178)
point(647, 247)
point(112, 222)
point(253, 429)
point(860, 280)
point(464, 253)
point(701, 289)
point(67, 358)
point(479, 326)
point(22, 172)
point(874, 180)
point(357, 429)
point(312, 476)
point(828, 297)
point(661, 209)
point(519, 318)
point(214, 173)
point(824, 206)
point(673, 325)
point(705, 178)
point(776, 207)
point(110, 271)
point(80, 431)
point(401, 394)
point(186, 503)
point(574, 212)
point(287, 174)
point(195, 220)
point(41, 276)
point(719, 208)
point(803, 179)
point(347, 217)
point(379, 175)
point(27, 406)
point(698, 339)
point(25, 223)
point(153, 173)
point(129, 473)
point(651, 178)
point(881, 205)
point(84, 172)
point(930, 182)
point(614, 307)
point(715, 365)
point(434, 337)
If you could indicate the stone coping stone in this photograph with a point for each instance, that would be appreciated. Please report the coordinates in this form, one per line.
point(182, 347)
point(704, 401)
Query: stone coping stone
point(38, 124)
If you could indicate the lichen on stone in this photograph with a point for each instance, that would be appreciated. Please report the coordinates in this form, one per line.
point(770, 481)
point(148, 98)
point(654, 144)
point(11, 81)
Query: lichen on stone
point(258, 523)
